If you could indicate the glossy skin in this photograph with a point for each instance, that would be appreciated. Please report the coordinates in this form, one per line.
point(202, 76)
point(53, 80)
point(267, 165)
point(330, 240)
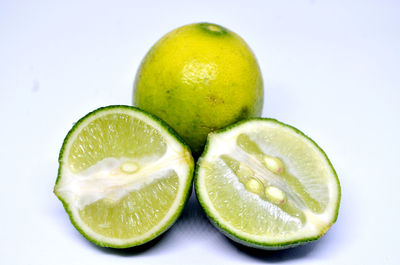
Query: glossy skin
point(199, 78)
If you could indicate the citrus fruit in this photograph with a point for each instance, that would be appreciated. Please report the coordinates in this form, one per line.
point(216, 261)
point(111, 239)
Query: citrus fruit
point(199, 78)
point(123, 176)
point(267, 185)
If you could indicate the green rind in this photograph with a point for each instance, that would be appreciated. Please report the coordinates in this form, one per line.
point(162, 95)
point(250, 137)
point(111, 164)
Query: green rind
point(251, 243)
point(187, 188)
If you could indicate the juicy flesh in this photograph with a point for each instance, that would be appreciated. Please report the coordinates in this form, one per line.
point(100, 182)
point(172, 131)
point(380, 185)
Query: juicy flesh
point(288, 194)
point(147, 191)
point(136, 213)
point(114, 135)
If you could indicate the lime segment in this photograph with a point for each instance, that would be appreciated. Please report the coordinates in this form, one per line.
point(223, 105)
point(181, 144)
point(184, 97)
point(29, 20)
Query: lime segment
point(114, 135)
point(134, 214)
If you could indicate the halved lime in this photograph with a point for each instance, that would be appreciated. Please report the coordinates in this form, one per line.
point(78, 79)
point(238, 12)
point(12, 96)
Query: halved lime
point(124, 176)
point(267, 185)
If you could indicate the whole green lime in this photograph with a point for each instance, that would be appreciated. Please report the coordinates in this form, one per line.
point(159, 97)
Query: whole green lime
point(199, 78)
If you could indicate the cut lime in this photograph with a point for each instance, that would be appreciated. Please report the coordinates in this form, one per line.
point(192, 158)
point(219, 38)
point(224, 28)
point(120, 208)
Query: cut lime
point(267, 185)
point(124, 176)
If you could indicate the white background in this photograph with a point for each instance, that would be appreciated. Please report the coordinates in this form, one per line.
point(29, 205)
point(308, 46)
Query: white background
point(331, 69)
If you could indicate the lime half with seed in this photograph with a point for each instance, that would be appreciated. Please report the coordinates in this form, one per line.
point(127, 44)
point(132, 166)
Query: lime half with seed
point(124, 176)
point(267, 185)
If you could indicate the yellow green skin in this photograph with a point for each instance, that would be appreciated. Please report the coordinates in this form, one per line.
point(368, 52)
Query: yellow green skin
point(245, 241)
point(188, 184)
point(199, 78)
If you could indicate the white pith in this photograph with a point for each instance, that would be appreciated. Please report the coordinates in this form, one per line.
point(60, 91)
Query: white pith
point(225, 143)
point(106, 180)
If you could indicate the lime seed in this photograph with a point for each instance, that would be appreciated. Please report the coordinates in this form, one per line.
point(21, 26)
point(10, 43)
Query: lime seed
point(129, 167)
point(275, 195)
point(255, 186)
point(274, 164)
